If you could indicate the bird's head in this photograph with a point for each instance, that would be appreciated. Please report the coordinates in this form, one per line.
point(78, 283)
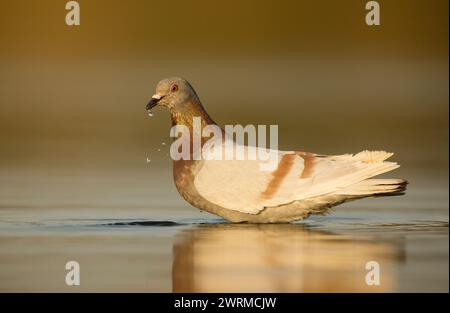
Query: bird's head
point(172, 93)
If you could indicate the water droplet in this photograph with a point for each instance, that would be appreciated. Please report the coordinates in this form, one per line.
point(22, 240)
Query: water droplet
point(163, 143)
point(150, 113)
point(149, 160)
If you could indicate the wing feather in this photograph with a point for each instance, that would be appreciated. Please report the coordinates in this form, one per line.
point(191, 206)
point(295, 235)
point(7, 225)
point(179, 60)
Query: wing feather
point(242, 185)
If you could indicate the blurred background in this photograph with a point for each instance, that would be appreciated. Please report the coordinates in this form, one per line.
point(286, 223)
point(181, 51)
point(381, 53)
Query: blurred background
point(72, 98)
point(74, 132)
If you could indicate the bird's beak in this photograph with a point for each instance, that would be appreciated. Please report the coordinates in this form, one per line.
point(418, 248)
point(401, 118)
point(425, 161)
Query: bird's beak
point(153, 102)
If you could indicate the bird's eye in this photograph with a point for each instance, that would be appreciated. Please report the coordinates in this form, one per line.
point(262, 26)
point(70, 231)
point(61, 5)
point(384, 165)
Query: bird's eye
point(174, 88)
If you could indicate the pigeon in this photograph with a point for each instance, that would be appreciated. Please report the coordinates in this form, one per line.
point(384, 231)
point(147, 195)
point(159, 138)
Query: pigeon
point(300, 185)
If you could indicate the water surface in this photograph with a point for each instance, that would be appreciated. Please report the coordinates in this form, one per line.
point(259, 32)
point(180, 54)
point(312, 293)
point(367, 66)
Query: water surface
point(189, 252)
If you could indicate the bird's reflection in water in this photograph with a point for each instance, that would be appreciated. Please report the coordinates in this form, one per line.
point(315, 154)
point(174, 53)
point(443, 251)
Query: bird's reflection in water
point(278, 258)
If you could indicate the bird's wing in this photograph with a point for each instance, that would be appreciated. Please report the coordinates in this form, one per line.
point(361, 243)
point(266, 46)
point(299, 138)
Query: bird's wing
point(246, 186)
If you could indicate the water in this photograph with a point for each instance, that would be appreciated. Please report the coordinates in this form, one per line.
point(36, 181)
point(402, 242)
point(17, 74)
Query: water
point(178, 249)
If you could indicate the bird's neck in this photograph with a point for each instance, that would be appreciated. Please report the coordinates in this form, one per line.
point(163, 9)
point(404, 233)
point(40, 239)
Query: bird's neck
point(192, 115)
point(185, 114)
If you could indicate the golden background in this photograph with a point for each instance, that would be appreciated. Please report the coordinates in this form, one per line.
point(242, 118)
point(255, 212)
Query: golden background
point(75, 139)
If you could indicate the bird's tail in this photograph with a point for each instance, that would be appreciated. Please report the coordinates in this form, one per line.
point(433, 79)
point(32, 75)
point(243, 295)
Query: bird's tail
point(375, 187)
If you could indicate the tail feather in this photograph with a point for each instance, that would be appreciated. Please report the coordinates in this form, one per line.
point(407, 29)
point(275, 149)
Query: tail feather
point(367, 156)
point(375, 187)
